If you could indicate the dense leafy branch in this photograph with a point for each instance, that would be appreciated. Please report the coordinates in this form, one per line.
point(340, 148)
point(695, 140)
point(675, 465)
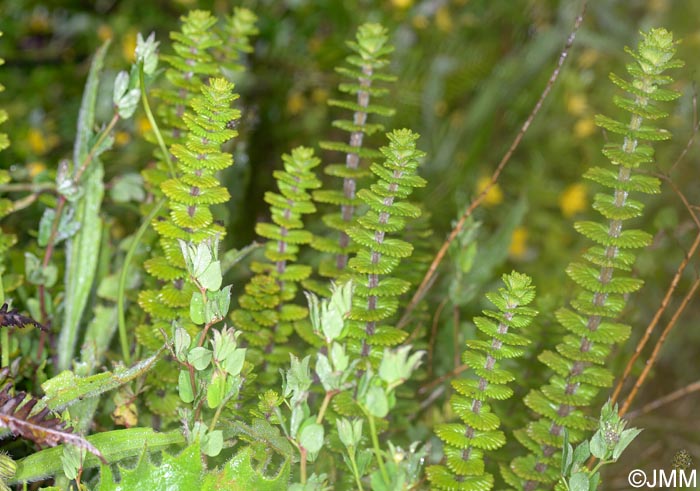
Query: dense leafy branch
point(365, 69)
point(592, 329)
point(467, 442)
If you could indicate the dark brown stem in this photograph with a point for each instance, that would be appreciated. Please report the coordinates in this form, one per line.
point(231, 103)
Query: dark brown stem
point(657, 347)
point(655, 320)
point(662, 401)
point(433, 335)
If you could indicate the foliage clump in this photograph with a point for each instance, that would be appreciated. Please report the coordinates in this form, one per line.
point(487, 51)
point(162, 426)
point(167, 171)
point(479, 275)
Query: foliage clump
point(223, 393)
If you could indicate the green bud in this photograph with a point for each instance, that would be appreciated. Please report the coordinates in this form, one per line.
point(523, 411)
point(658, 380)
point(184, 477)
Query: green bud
point(147, 52)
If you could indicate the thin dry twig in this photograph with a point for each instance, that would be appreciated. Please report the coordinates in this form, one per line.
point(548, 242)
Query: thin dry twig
point(452, 373)
point(657, 347)
point(433, 335)
point(425, 284)
point(668, 398)
point(691, 140)
point(669, 292)
point(455, 335)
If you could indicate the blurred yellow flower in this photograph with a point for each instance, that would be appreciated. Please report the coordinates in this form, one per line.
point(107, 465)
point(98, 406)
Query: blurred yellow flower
point(40, 143)
point(121, 138)
point(443, 19)
point(494, 196)
point(117, 230)
point(573, 200)
point(295, 102)
point(129, 46)
point(143, 125)
point(39, 22)
point(36, 141)
point(518, 243)
point(576, 104)
point(105, 32)
point(658, 6)
point(588, 58)
point(402, 4)
point(35, 168)
point(319, 96)
point(420, 22)
point(584, 128)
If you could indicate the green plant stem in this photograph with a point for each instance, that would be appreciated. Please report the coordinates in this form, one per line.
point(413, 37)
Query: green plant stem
point(324, 405)
point(123, 338)
point(152, 121)
point(215, 419)
point(27, 186)
point(356, 473)
point(86, 163)
point(302, 461)
point(375, 445)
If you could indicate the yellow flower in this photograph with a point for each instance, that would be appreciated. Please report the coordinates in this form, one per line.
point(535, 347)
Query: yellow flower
point(402, 4)
point(420, 22)
point(518, 243)
point(39, 22)
point(494, 196)
point(658, 6)
point(36, 141)
point(295, 102)
point(129, 46)
point(35, 168)
point(319, 96)
point(573, 200)
point(121, 138)
point(105, 32)
point(443, 19)
point(143, 125)
point(117, 231)
point(584, 127)
point(588, 58)
point(576, 104)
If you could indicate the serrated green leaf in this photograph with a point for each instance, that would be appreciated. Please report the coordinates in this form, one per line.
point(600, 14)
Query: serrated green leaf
point(181, 472)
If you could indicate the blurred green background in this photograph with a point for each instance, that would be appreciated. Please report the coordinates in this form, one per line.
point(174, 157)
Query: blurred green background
point(469, 72)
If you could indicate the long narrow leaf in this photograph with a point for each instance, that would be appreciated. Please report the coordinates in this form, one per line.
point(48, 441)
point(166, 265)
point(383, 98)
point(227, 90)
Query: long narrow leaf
point(83, 248)
point(114, 445)
point(66, 388)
